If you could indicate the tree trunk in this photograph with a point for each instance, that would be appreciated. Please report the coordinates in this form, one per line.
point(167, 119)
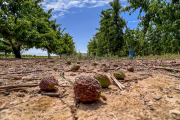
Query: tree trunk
point(49, 56)
point(15, 50)
point(5, 54)
point(178, 51)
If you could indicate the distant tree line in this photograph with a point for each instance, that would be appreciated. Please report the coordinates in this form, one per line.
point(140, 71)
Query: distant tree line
point(24, 24)
point(159, 33)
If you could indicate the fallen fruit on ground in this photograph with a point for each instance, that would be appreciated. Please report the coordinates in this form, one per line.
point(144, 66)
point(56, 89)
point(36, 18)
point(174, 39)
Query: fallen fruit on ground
point(119, 75)
point(75, 67)
point(94, 64)
point(130, 69)
point(103, 79)
point(78, 62)
point(69, 62)
point(104, 64)
point(115, 65)
point(108, 66)
point(48, 83)
point(87, 89)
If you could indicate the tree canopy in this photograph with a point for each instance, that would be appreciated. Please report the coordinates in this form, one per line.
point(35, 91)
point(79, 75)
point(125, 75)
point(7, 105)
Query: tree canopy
point(157, 33)
point(24, 22)
point(109, 38)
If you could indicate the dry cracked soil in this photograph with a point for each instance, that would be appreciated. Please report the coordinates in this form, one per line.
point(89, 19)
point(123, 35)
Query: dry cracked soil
point(150, 93)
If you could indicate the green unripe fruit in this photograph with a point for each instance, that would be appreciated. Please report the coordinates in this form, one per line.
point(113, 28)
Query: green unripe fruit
point(119, 75)
point(75, 67)
point(94, 64)
point(103, 79)
point(78, 62)
point(69, 62)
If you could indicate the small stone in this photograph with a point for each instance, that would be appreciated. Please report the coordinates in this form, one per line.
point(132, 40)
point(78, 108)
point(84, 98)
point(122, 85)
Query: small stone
point(170, 96)
point(146, 100)
point(161, 89)
point(1, 82)
point(158, 97)
point(55, 69)
point(178, 102)
point(6, 93)
point(13, 103)
point(31, 96)
point(177, 112)
point(150, 108)
point(117, 68)
point(17, 77)
point(20, 95)
point(72, 74)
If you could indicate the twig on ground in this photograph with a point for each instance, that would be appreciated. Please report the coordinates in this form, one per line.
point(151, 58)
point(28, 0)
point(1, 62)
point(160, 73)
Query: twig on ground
point(19, 85)
point(117, 82)
point(24, 72)
point(11, 89)
point(135, 79)
point(176, 64)
point(165, 68)
point(51, 94)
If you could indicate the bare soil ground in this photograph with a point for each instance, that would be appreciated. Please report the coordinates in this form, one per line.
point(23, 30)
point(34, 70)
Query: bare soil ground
point(149, 93)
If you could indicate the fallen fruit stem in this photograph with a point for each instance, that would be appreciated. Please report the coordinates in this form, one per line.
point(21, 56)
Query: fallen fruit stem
point(62, 75)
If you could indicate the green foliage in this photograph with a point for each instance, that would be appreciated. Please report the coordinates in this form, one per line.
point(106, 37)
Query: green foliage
point(160, 33)
point(92, 47)
point(109, 38)
point(164, 16)
point(18, 20)
point(5, 46)
point(25, 24)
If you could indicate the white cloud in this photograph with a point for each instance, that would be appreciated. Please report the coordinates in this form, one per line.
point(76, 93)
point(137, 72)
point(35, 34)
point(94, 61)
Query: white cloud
point(85, 1)
point(61, 14)
point(100, 3)
point(73, 12)
point(62, 6)
point(134, 21)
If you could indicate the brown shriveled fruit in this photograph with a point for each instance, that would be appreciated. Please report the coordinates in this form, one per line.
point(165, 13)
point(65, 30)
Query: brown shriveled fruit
point(87, 89)
point(48, 83)
point(130, 69)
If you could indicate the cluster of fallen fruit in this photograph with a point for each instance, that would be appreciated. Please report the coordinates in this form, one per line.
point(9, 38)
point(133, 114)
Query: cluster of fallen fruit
point(86, 88)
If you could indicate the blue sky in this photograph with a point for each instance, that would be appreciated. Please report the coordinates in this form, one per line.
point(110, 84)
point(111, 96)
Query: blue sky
point(80, 18)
